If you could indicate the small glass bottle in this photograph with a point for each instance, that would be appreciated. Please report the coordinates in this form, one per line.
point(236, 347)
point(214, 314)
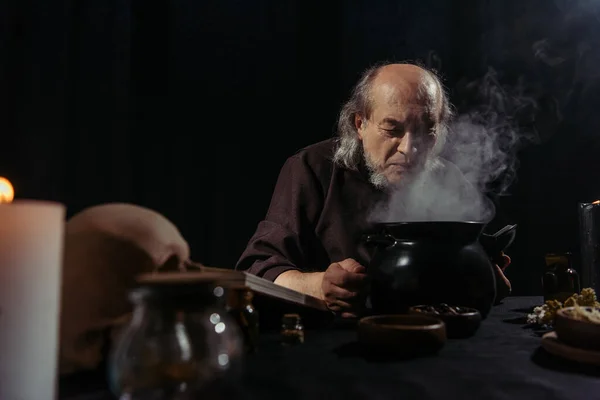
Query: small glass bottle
point(240, 307)
point(560, 280)
point(292, 330)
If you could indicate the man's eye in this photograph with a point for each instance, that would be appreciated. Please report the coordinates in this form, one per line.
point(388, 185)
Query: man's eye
point(392, 132)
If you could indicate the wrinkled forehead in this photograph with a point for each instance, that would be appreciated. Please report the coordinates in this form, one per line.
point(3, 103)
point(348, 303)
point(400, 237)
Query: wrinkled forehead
point(403, 98)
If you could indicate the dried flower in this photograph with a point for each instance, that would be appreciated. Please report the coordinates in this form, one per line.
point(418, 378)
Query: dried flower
point(544, 314)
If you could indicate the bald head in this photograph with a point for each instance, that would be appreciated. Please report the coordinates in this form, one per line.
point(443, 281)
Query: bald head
point(409, 85)
point(406, 73)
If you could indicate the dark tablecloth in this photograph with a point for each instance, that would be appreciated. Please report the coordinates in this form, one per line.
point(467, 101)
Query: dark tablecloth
point(502, 361)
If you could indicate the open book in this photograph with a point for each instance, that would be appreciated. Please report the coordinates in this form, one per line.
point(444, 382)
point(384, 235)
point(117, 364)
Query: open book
point(197, 273)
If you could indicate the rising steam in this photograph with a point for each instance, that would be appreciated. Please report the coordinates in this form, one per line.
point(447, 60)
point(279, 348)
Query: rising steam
point(560, 59)
point(479, 159)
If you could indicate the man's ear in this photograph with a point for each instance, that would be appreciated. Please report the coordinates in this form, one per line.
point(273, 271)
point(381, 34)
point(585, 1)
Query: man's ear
point(359, 124)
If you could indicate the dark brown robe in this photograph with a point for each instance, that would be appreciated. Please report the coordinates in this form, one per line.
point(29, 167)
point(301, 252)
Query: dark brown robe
point(318, 214)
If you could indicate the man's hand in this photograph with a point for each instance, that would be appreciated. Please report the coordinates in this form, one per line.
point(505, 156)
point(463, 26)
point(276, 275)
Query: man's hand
point(503, 286)
point(344, 284)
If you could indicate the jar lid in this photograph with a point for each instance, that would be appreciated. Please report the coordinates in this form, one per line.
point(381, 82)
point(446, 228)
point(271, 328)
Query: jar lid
point(183, 278)
point(177, 290)
point(239, 296)
point(291, 319)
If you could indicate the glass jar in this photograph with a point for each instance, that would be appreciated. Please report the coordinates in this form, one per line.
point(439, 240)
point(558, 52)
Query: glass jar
point(560, 281)
point(242, 310)
point(292, 330)
point(180, 343)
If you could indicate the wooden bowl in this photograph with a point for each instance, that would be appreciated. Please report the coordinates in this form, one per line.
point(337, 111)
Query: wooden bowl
point(458, 326)
point(402, 335)
point(575, 332)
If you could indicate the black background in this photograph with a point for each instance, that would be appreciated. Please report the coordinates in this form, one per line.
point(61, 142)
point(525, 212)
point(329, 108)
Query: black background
point(191, 107)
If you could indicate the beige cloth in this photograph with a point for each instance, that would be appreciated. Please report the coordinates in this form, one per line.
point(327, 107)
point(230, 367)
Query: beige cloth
point(106, 246)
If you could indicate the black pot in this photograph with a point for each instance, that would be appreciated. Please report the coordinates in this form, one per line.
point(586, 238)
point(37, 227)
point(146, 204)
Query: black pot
point(430, 263)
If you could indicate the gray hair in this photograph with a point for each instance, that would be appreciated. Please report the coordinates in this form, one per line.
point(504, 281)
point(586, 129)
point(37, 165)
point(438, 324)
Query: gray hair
point(349, 152)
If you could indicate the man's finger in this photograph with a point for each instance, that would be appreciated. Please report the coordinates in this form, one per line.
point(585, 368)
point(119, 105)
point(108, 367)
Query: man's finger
point(501, 277)
point(338, 305)
point(342, 305)
point(350, 280)
point(351, 265)
point(341, 293)
point(506, 261)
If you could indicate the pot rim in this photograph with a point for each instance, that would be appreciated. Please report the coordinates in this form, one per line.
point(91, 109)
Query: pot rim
point(398, 223)
point(454, 231)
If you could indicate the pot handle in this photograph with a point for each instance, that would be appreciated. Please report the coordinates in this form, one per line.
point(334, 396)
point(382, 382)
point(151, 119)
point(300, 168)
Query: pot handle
point(379, 239)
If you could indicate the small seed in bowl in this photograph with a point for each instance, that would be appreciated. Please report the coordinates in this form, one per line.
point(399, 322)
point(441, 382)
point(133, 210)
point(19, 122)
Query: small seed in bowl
point(442, 308)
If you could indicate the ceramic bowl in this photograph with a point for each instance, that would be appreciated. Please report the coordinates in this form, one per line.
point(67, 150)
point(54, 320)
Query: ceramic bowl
point(574, 332)
point(402, 335)
point(458, 326)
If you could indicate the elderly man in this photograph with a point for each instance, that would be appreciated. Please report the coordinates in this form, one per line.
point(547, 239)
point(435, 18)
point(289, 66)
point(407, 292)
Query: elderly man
point(309, 241)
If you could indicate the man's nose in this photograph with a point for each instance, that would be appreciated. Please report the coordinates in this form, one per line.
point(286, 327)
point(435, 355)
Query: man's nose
point(407, 144)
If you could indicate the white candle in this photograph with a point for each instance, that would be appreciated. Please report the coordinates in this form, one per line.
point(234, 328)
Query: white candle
point(31, 249)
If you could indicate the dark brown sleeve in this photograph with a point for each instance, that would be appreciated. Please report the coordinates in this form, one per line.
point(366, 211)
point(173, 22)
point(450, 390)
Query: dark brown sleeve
point(281, 241)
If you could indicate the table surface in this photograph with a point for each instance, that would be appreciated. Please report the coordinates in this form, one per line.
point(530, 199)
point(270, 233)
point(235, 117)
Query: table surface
point(502, 361)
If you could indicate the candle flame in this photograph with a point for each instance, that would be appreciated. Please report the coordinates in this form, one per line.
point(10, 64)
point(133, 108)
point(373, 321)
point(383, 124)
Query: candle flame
point(7, 193)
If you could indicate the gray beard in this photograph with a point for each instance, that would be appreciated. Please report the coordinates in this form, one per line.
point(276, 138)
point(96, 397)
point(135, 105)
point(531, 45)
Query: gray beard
point(376, 178)
point(379, 180)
